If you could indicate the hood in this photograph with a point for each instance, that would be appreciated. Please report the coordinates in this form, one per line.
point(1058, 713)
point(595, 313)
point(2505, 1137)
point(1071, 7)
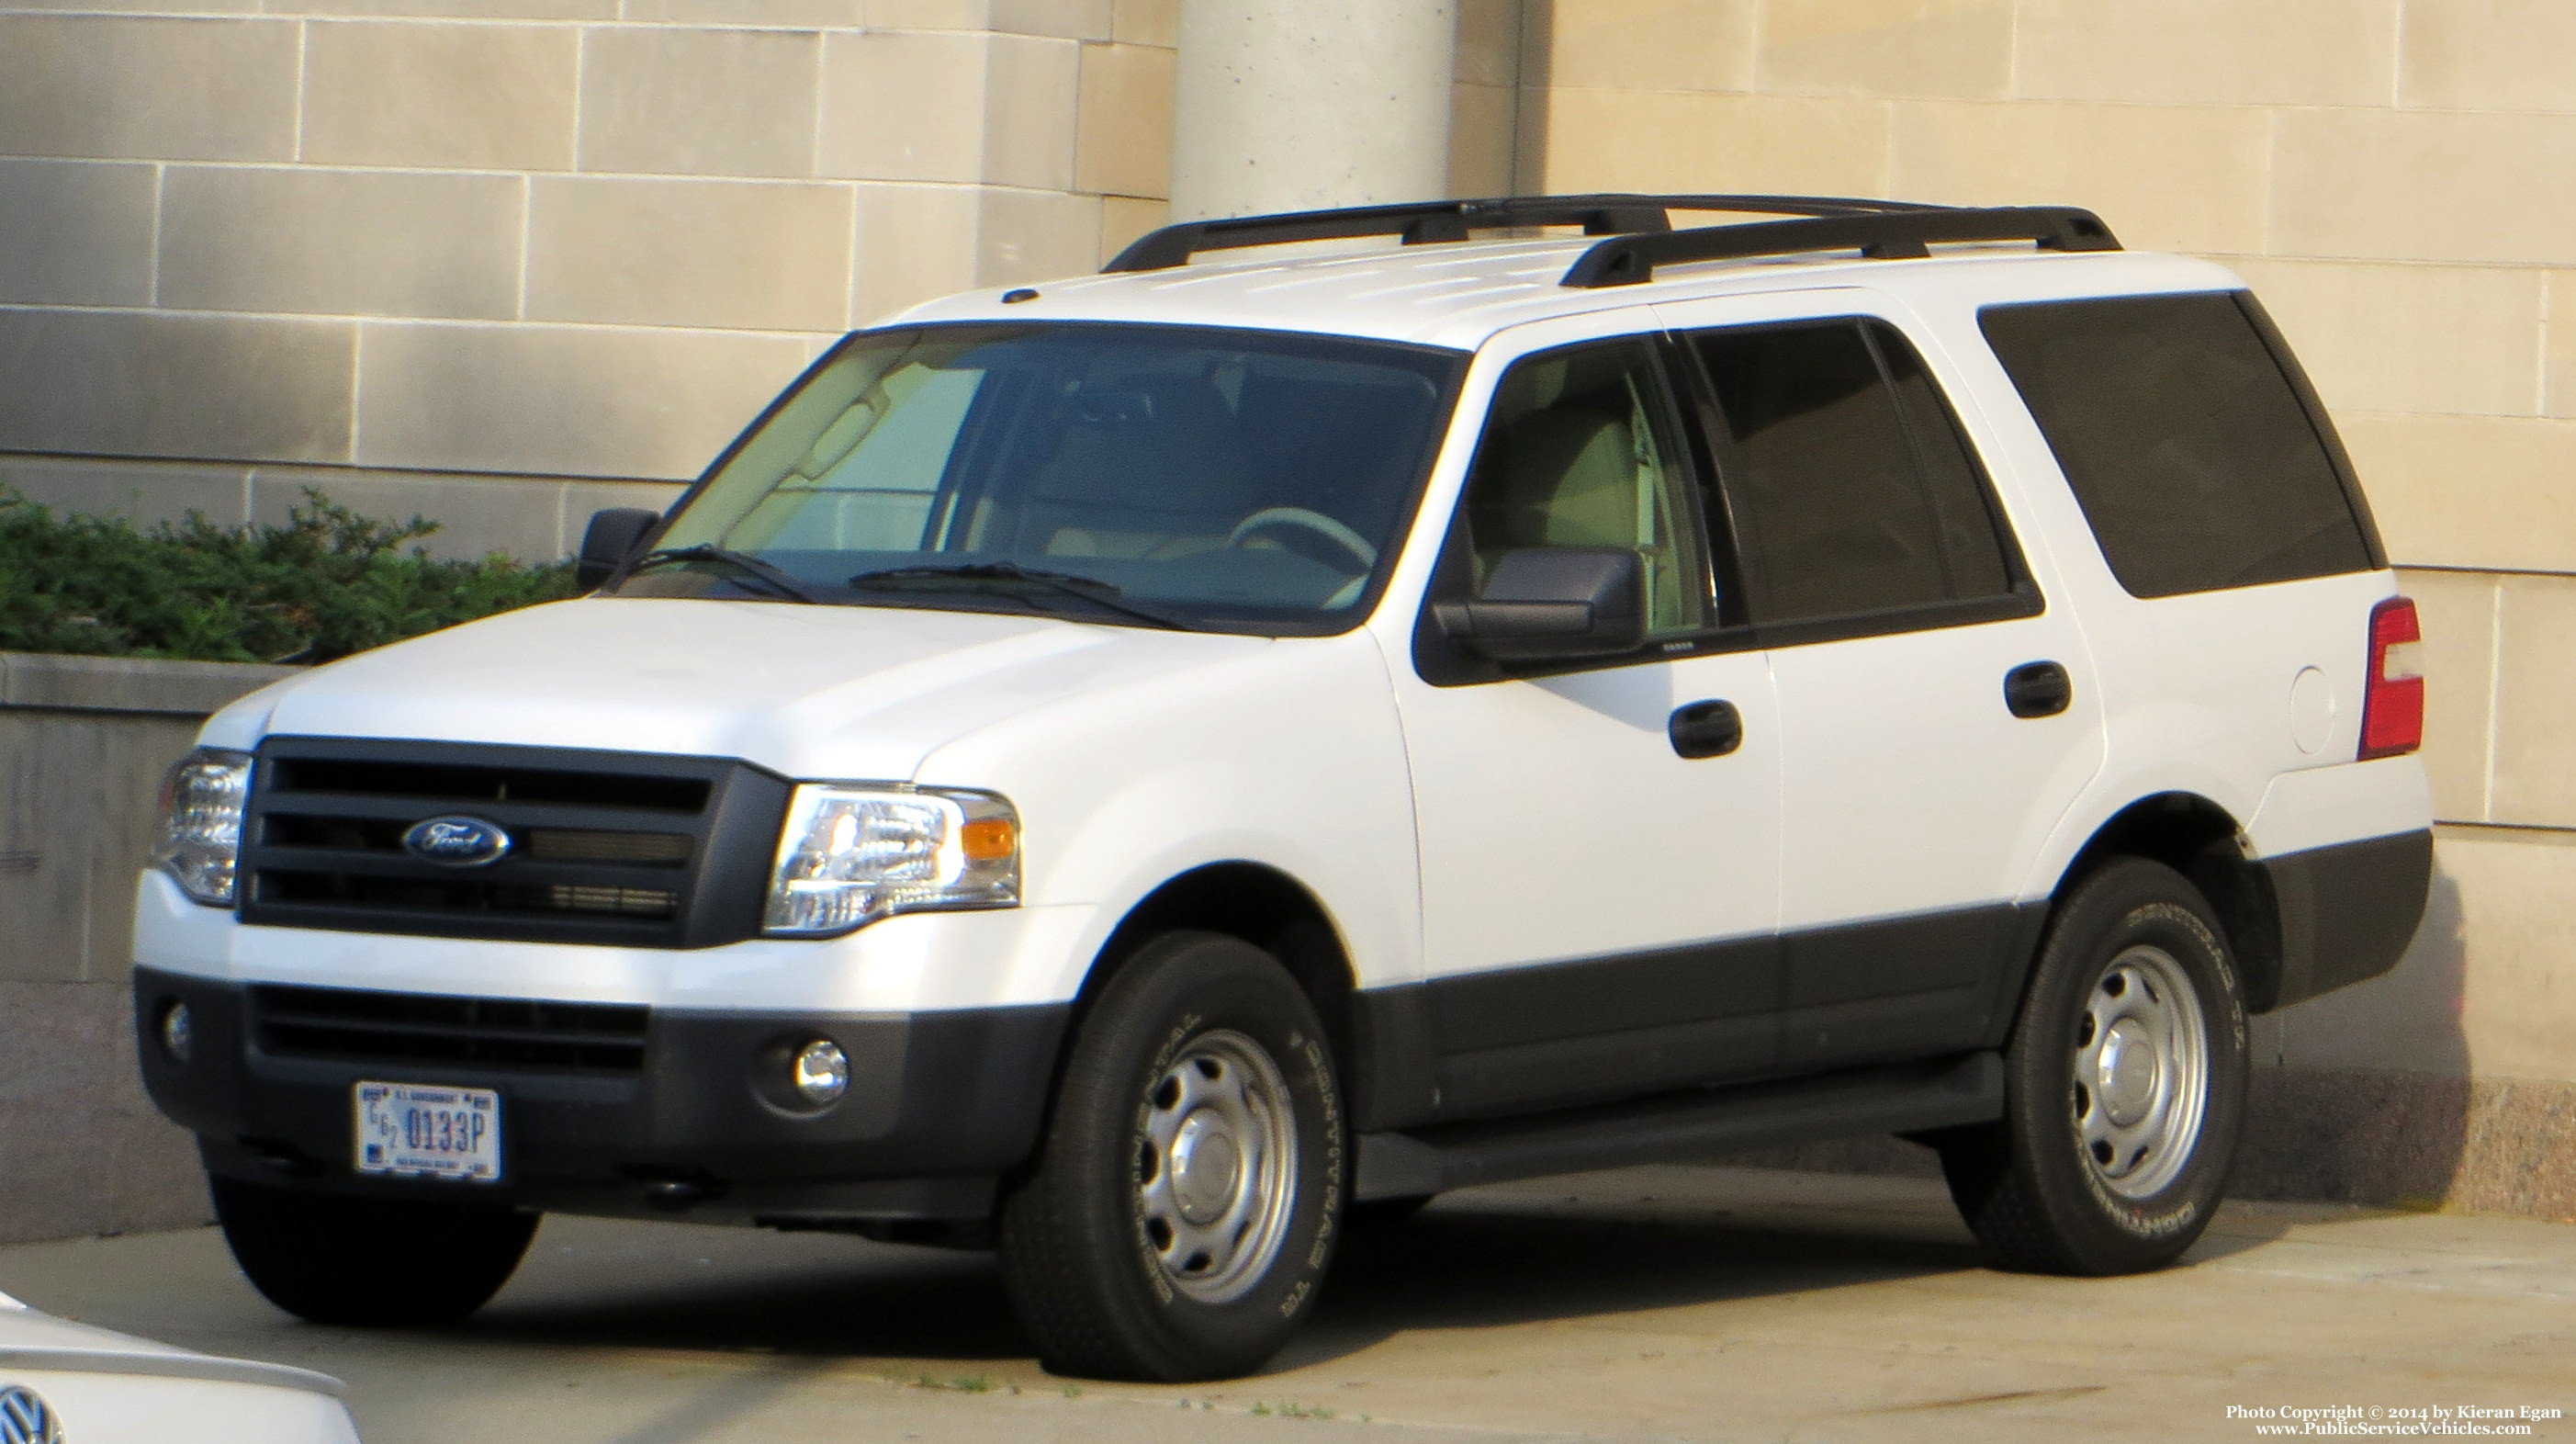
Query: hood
point(807, 691)
point(40, 1344)
point(24, 1328)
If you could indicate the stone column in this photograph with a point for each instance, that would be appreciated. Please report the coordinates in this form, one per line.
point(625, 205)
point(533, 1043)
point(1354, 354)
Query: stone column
point(1284, 105)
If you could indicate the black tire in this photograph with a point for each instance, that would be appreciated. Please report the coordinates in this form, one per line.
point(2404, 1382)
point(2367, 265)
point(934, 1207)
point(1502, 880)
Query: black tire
point(319, 1256)
point(2063, 1184)
point(1095, 1267)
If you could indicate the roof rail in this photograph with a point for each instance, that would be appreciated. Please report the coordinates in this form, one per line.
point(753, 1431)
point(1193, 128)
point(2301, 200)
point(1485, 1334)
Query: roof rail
point(1427, 221)
point(1629, 260)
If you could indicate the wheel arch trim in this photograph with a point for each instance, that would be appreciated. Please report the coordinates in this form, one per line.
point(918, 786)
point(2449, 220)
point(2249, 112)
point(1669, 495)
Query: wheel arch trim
point(1380, 1036)
point(2205, 842)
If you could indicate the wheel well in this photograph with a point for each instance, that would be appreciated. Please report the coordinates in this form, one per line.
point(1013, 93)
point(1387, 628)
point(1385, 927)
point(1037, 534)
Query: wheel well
point(1264, 907)
point(2197, 838)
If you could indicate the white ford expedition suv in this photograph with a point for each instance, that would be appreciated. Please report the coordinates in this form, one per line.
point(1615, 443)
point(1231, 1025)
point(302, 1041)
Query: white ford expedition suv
point(1147, 770)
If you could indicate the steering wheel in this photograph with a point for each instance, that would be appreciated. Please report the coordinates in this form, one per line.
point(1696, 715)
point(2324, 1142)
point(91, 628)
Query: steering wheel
point(1304, 520)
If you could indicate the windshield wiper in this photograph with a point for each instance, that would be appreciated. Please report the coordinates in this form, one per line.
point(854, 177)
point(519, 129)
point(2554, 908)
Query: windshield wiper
point(777, 582)
point(1089, 589)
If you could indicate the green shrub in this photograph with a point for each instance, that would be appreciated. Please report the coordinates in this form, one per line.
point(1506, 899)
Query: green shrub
point(327, 583)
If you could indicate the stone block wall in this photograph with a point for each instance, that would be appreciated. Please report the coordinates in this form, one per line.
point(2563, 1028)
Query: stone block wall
point(1485, 101)
point(83, 743)
point(476, 258)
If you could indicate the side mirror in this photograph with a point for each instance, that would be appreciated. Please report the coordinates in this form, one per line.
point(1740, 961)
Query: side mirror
point(1554, 603)
point(612, 536)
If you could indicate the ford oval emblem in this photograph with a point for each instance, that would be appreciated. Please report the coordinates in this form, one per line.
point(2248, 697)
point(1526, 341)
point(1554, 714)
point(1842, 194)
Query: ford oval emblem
point(457, 842)
point(25, 1418)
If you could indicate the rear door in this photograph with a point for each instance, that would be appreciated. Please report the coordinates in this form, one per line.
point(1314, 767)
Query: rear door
point(1937, 715)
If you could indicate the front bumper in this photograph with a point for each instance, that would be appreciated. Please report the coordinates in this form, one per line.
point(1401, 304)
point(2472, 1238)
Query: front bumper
point(940, 1105)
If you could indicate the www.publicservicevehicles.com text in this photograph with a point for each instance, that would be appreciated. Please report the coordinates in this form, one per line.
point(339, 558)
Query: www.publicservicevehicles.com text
point(2383, 1419)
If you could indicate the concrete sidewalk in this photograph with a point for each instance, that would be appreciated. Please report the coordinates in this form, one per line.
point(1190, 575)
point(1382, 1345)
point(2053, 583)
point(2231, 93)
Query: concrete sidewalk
point(1663, 1303)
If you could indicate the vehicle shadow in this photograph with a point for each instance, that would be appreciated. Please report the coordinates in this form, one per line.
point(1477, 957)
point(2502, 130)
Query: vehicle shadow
point(1597, 1245)
point(2366, 1096)
point(1502, 1264)
point(1490, 1262)
point(1594, 1246)
point(805, 1296)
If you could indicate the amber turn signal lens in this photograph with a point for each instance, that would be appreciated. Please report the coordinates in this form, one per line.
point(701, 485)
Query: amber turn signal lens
point(989, 839)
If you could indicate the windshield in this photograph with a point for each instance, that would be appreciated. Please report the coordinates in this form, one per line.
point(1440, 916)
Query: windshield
point(1133, 475)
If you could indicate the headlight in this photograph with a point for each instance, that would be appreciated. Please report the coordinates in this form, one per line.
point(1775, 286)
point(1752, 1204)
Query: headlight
point(201, 823)
point(852, 853)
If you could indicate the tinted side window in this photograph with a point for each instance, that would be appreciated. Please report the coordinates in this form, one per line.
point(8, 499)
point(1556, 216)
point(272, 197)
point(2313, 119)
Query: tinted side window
point(1845, 474)
point(2184, 439)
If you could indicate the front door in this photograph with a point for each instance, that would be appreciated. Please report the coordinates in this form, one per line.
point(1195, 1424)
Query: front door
point(1597, 906)
point(1937, 715)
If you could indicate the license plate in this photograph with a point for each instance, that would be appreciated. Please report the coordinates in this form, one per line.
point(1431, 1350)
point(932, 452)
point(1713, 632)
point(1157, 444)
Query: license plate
point(414, 1130)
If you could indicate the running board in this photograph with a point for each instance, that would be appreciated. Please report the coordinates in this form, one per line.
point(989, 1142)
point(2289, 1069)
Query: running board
point(1681, 1127)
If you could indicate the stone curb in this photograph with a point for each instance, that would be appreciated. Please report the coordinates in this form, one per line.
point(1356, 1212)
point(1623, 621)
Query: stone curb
point(128, 684)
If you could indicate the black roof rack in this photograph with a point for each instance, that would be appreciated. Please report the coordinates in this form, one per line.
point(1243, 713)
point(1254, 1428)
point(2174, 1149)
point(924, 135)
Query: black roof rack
point(1631, 260)
point(1639, 233)
point(1422, 222)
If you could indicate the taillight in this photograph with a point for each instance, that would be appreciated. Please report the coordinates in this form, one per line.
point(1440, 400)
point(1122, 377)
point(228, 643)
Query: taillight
point(2392, 702)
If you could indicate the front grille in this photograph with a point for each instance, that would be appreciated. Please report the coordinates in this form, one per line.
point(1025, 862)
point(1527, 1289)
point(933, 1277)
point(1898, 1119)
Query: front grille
point(404, 1028)
point(446, 895)
point(556, 844)
point(604, 847)
point(532, 780)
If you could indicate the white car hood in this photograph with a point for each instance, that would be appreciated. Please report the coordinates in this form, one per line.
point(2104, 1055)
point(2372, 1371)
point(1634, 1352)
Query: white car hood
point(38, 1343)
point(855, 692)
point(24, 1328)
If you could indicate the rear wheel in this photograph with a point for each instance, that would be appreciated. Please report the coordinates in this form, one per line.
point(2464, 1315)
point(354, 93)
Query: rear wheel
point(1181, 1213)
point(325, 1257)
point(2124, 1086)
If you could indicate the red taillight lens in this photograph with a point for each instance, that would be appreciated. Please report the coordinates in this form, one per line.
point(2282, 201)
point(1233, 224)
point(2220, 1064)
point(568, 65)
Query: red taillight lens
point(2392, 702)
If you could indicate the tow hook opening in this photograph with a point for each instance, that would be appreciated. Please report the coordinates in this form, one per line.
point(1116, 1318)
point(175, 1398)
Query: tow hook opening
point(677, 1190)
point(280, 1156)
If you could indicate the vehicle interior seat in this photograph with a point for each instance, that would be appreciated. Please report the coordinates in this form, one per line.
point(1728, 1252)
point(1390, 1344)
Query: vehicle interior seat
point(1162, 455)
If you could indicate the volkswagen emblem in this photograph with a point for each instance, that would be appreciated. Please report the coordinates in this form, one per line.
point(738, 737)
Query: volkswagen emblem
point(25, 1418)
point(457, 841)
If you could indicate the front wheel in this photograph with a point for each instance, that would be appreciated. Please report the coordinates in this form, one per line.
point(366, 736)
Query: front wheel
point(2124, 1086)
point(1182, 1210)
point(337, 1259)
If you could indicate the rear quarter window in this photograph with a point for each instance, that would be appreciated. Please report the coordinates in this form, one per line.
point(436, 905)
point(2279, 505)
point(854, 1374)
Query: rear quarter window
point(2190, 438)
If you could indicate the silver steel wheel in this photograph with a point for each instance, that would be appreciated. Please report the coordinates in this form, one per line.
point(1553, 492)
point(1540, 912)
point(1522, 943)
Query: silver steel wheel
point(2141, 1072)
point(1217, 1178)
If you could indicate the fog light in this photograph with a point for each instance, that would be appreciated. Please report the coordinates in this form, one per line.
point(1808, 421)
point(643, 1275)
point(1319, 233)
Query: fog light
point(821, 1072)
point(178, 1032)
